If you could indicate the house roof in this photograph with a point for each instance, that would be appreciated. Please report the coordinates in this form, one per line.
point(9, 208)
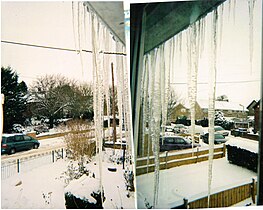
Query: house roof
point(219, 105)
point(256, 104)
point(252, 104)
point(112, 14)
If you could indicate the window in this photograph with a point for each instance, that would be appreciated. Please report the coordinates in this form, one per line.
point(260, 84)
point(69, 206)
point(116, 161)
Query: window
point(179, 141)
point(169, 140)
point(27, 138)
point(19, 138)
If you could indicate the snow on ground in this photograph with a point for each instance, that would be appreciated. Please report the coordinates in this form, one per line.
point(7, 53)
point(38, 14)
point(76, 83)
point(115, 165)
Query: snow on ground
point(190, 181)
point(44, 187)
point(26, 190)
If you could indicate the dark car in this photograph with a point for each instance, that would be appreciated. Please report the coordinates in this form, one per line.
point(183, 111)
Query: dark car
point(175, 143)
point(11, 143)
point(41, 129)
point(219, 138)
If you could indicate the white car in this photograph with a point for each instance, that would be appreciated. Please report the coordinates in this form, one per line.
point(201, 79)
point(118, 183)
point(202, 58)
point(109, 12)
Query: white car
point(219, 129)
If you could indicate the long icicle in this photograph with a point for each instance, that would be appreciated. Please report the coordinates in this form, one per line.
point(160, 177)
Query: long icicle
point(156, 125)
point(211, 107)
point(251, 6)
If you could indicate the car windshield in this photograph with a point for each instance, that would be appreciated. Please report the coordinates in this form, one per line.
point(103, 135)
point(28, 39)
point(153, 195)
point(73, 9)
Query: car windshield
point(219, 128)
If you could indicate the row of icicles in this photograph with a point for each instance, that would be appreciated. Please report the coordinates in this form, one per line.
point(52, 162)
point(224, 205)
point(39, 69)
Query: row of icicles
point(157, 65)
point(91, 32)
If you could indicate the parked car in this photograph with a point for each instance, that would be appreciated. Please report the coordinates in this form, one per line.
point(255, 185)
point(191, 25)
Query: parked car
point(41, 129)
point(175, 143)
point(12, 143)
point(168, 128)
point(219, 138)
point(18, 128)
point(239, 131)
point(219, 129)
point(180, 128)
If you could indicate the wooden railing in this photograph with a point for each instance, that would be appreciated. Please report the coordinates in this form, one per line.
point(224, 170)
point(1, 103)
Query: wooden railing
point(173, 159)
point(227, 197)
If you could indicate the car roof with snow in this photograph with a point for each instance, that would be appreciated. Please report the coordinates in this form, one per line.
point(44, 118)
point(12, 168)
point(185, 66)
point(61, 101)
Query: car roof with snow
point(11, 134)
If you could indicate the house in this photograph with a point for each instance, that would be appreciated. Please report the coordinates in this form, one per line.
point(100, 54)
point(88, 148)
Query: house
point(229, 109)
point(250, 108)
point(183, 110)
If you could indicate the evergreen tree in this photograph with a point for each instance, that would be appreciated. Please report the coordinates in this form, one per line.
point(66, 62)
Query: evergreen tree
point(15, 98)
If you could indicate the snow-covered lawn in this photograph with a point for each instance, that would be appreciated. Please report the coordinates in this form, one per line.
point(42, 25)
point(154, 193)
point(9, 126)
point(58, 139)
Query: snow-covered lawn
point(44, 187)
point(190, 181)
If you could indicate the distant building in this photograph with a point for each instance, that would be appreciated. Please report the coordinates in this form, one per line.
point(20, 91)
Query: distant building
point(250, 108)
point(229, 109)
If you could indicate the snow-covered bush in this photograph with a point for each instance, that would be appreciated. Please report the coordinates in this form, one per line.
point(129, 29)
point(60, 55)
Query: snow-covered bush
point(129, 180)
point(220, 120)
point(84, 193)
point(74, 171)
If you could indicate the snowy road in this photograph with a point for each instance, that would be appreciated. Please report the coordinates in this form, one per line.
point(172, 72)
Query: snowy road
point(45, 145)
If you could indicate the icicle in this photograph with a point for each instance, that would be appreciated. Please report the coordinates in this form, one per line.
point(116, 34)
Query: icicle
point(98, 97)
point(106, 82)
point(145, 85)
point(151, 63)
point(192, 47)
point(251, 6)
point(211, 107)
point(73, 24)
point(119, 69)
point(80, 34)
point(220, 16)
point(179, 43)
point(126, 81)
point(155, 135)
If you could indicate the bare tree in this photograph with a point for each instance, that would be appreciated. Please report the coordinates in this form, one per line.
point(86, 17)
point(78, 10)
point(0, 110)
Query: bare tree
point(52, 94)
point(82, 105)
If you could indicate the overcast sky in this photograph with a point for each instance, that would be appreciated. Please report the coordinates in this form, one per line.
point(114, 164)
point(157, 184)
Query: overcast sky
point(234, 76)
point(41, 23)
point(50, 23)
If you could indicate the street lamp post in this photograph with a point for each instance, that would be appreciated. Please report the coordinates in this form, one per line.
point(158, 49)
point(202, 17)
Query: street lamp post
point(243, 112)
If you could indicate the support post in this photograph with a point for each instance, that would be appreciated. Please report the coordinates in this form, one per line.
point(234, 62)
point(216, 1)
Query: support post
point(53, 156)
point(185, 203)
point(252, 188)
point(18, 165)
point(260, 146)
point(113, 109)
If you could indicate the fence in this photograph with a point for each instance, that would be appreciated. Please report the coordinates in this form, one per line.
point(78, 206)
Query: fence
point(25, 164)
point(54, 135)
point(225, 198)
point(174, 159)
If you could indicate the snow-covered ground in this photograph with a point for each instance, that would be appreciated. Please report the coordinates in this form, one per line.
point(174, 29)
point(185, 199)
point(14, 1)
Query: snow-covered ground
point(44, 187)
point(190, 181)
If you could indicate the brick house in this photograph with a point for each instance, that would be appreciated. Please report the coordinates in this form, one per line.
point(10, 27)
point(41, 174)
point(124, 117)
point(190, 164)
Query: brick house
point(229, 109)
